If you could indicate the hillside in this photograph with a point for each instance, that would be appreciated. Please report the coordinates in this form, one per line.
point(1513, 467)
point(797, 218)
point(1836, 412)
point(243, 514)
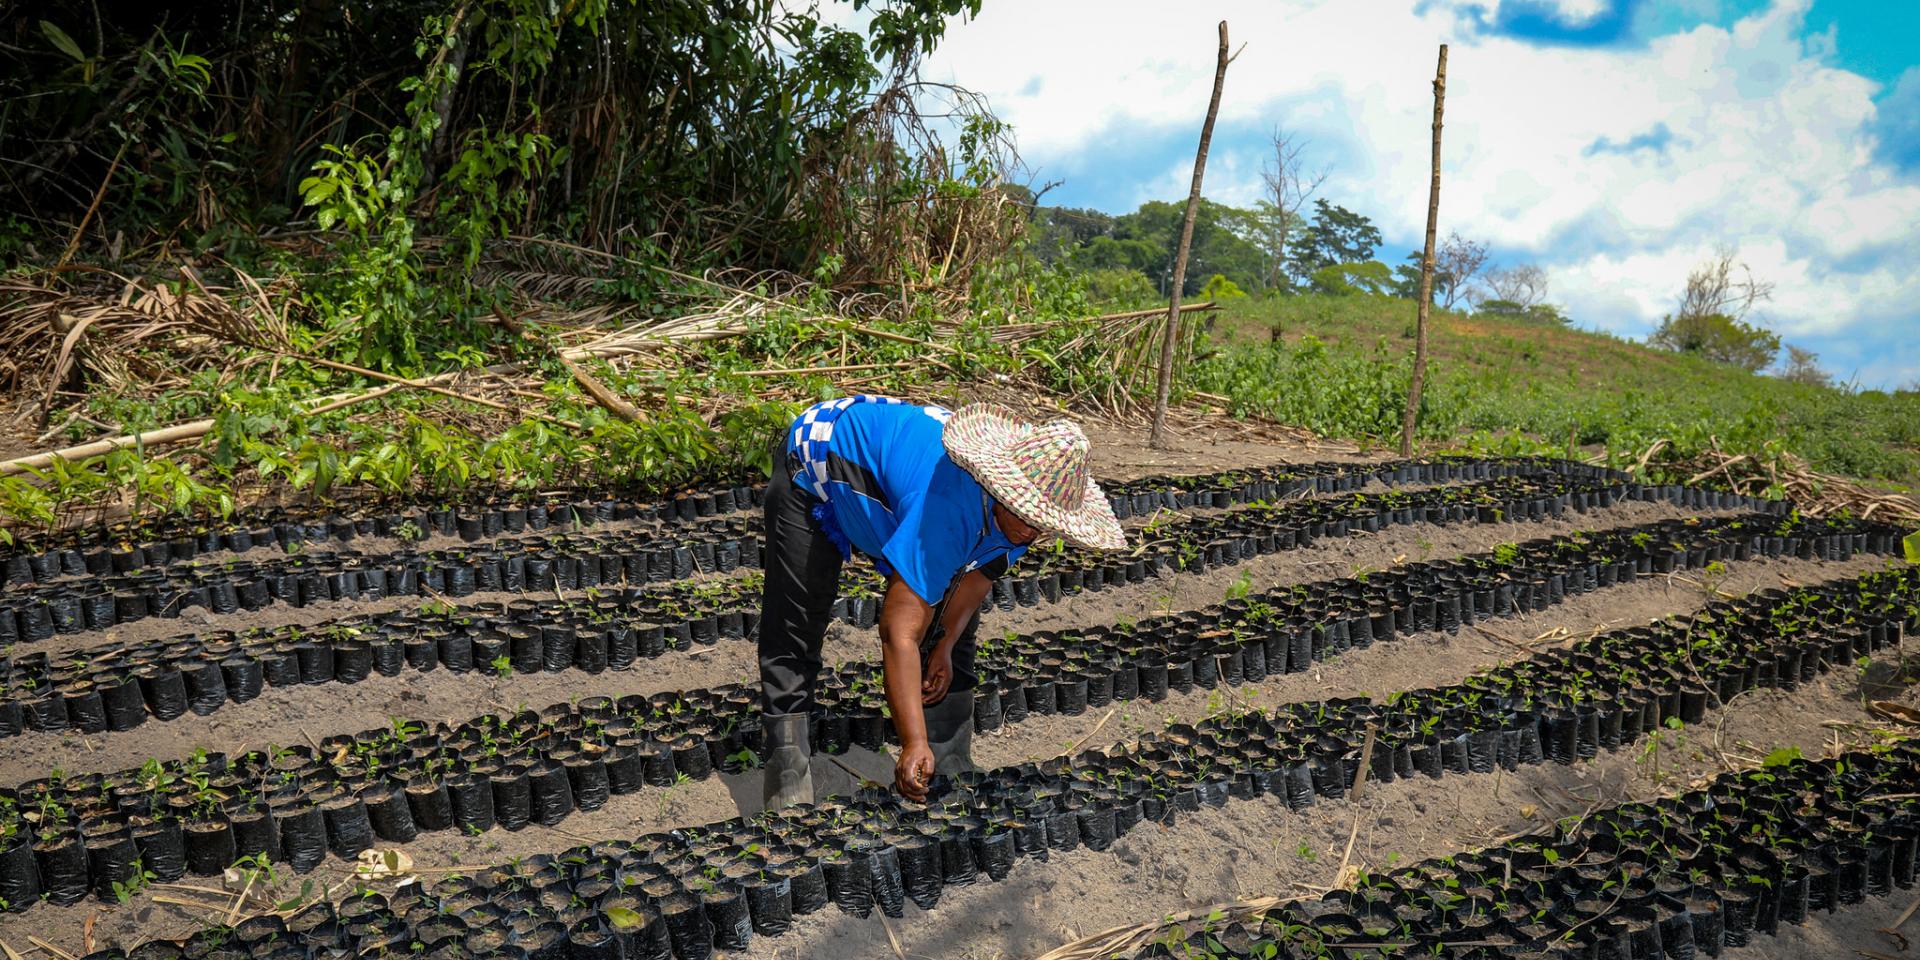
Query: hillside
point(1498, 383)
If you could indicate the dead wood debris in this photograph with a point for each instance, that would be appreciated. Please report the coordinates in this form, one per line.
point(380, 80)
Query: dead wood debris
point(1783, 474)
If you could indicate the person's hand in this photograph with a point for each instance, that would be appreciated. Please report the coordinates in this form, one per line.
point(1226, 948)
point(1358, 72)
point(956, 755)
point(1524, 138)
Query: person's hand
point(913, 772)
point(936, 676)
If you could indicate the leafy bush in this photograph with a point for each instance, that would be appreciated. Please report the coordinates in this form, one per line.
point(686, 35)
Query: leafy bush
point(1719, 338)
point(1219, 288)
point(1120, 286)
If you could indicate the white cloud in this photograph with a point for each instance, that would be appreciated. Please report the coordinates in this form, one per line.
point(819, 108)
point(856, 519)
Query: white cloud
point(1573, 13)
point(1617, 167)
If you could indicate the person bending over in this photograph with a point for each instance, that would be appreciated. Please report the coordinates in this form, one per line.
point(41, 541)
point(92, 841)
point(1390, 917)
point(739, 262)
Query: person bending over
point(942, 503)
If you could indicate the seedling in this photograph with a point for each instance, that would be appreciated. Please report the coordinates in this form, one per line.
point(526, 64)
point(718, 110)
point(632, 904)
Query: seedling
point(1241, 586)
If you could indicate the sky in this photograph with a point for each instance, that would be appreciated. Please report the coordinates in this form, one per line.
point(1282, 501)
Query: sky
point(1616, 143)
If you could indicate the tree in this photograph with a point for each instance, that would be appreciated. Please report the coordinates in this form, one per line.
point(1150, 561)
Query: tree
point(1803, 366)
point(1273, 235)
point(1345, 279)
point(1289, 184)
point(1455, 267)
point(1145, 240)
point(1523, 285)
point(1336, 235)
point(1054, 231)
point(1722, 286)
point(1719, 338)
point(1406, 276)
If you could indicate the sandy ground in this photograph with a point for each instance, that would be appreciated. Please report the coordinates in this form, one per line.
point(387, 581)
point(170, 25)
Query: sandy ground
point(1247, 848)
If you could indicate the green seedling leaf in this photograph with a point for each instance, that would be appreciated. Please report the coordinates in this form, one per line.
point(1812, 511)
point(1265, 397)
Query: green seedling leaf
point(62, 42)
point(623, 918)
point(1912, 546)
point(1781, 757)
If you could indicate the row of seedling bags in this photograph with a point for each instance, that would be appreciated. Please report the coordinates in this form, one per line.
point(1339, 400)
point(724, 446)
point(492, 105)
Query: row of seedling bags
point(1680, 877)
point(571, 562)
point(106, 686)
point(301, 579)
point(125, 685)
point(1289, 629)
point(295, 804)
point(129, 591)
point(1237, 641)
point(127, 545)
point(1695, 874)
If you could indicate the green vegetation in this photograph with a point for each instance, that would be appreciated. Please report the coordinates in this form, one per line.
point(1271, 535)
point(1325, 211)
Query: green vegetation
point(310, 201)
point(1339, 366)
point(329, 196)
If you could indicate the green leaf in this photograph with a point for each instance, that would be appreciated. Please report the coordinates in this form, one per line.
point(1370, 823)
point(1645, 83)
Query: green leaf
point(623, 918)
point(62, 42)
point(1781, 757)
point(1912, 546)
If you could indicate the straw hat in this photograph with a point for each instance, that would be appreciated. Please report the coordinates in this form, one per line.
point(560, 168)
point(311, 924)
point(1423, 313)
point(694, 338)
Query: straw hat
point(1039, 471)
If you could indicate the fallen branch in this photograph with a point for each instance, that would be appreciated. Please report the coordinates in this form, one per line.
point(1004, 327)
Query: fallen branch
point(151, 438)
point(601, 393)
point(844, 368)
point(428, 385)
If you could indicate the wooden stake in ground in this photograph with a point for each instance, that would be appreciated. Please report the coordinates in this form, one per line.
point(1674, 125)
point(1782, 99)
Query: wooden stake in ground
point(1426, 266)
point(1158, 437)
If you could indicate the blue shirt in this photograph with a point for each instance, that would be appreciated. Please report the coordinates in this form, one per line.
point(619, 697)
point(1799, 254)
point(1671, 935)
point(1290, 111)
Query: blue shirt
point(888, 489)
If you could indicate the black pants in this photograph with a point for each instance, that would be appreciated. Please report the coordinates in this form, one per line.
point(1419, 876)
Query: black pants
point(802, 581)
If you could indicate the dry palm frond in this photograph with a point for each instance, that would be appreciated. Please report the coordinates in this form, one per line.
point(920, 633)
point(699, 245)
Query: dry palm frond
point(126, 334)
point(548, 285)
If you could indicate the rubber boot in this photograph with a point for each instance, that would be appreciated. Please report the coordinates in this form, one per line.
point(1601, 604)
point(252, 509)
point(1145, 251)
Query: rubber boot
point(789, 765)
point(950, 733)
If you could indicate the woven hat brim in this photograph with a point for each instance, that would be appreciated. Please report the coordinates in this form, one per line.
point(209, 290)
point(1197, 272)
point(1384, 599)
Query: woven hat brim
point(979, 445)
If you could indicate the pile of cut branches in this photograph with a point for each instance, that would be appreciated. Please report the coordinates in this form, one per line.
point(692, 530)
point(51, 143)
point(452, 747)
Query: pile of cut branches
point(1777, 473)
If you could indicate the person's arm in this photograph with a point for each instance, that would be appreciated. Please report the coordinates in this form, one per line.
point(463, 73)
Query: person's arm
point(963, 604)
point(904, 617)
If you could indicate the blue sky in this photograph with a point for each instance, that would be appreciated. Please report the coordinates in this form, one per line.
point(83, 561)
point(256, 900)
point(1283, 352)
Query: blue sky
point(1615, 143)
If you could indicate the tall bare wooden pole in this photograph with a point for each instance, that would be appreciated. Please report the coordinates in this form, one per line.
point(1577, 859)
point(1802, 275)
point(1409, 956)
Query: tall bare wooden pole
point(1171, 338)
point(1426, 266)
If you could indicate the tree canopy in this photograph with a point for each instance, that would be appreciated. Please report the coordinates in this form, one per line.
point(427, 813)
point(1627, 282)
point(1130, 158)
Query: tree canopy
point(1239, 244)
